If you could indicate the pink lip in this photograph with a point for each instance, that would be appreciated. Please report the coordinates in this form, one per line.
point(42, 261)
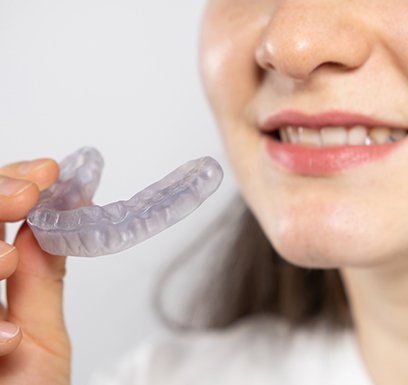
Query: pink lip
point(331, 118)
point(302, 159)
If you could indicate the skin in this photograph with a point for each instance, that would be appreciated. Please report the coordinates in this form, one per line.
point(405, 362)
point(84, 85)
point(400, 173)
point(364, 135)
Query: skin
point(39, 352)
point(262, 57)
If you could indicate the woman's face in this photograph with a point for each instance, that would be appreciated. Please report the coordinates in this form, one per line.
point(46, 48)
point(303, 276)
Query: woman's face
point(322, 70)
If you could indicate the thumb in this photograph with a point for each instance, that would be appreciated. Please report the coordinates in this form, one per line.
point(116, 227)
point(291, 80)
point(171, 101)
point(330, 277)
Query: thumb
point(34, 292)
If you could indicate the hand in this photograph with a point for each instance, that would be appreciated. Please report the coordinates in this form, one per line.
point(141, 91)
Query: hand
point(34, 345)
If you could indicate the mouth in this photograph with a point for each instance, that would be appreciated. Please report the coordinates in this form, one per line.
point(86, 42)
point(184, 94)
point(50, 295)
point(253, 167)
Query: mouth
point(338, 136)
point(329, 142)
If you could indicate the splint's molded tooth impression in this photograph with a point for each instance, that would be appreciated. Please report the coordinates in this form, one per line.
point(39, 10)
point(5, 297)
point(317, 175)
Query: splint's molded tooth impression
point(340, 136)
point(65, 223)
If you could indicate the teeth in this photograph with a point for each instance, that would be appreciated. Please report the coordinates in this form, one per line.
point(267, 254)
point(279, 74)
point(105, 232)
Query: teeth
point(284, 135)
point(292, 134)
point(380, 135)
point(338, 136)
point(333, 136)
point(368, 141)
point(398, 134)
point(357, 136)
point(309, 136)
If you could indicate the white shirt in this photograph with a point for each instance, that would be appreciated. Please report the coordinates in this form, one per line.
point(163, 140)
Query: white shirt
point(258, 350)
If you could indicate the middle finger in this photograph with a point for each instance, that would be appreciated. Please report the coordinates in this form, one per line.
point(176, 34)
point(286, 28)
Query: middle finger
point(8, 260)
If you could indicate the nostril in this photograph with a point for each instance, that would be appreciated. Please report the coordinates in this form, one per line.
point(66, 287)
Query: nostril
point(269, 66)
point(332, 65)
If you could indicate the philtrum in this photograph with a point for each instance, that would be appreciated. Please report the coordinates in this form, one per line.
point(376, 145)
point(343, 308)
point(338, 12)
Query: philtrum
point(65, 222)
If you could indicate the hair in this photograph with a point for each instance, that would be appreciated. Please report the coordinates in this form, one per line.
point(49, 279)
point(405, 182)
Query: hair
point(249, 277)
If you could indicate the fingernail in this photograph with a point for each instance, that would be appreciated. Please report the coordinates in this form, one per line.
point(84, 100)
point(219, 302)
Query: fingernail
point(5, 249)
point(31, 166)
point(9, 186)
point(8, 331)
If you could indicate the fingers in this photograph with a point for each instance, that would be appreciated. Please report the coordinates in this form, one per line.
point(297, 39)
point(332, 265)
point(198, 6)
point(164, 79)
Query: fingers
point(20, 184)
point(8, 260)
point(42, 172)
point(10, 337)
point(15, 206)
point(3, 312)
point(10, 333)
point(34, 278)
point(34, 292)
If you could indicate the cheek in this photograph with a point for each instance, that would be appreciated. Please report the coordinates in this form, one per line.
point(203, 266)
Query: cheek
point(229, 73)
point(231, 79)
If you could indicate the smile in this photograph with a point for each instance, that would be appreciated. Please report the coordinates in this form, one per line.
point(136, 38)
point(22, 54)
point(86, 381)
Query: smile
point(338, 136)
point(328, 143)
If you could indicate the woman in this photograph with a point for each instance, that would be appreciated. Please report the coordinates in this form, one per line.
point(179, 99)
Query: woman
point(329, 79)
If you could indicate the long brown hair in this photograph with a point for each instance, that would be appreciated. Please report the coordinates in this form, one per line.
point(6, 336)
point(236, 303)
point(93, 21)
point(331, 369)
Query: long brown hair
point(247, 277)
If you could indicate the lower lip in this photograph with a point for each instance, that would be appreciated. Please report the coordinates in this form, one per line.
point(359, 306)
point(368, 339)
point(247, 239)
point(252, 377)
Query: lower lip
point(324, 160)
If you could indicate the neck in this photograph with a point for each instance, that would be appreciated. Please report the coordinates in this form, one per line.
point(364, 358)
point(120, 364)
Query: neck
point(379, 304)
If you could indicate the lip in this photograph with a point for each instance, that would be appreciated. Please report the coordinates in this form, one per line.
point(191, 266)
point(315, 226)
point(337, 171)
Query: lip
point(302, 159)
point(331, 118)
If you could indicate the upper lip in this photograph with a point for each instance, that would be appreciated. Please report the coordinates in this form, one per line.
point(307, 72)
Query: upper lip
point(331, 118)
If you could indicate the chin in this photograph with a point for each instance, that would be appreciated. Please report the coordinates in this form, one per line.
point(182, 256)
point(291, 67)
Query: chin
point(314, 253)
point(329, 252)
point(325, 244)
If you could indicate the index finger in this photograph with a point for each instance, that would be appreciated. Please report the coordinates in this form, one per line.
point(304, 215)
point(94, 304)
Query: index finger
point(20, 185)
point(43, 172)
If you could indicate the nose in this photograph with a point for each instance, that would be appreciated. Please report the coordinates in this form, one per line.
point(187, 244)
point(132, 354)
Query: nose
point(298, 39)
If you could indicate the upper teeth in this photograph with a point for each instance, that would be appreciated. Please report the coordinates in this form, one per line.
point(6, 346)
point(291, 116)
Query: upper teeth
point(334, 136)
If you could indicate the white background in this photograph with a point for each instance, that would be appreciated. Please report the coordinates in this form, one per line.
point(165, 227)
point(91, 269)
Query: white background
point(121, 76)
